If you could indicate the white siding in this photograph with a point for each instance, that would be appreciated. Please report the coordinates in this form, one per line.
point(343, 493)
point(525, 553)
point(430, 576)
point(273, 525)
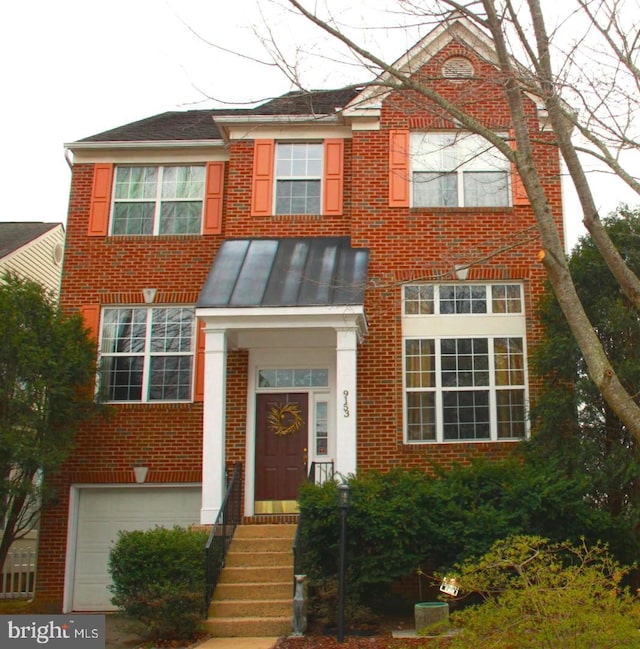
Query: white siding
point(37, 260)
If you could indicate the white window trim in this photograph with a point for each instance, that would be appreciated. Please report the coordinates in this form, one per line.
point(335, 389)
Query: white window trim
point(157, 200)
point(147, 354)
point(439, 327)
point(459, 170)
point(489, 314)
point(277, 177)
point(315, 399)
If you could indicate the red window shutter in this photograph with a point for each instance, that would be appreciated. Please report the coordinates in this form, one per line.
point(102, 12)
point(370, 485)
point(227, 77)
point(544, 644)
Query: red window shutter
point(213, 198)
point(91, 315)
point(519, 193)
point(399, 168)
point(333, 183)
point(262, 190)
point(100, 200)
point(198, 393)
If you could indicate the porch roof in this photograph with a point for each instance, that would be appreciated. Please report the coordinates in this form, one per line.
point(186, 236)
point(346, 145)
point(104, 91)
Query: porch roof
point(286, 272)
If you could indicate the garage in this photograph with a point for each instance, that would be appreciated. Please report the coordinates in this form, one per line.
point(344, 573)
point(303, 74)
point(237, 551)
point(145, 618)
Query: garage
point(100, 513)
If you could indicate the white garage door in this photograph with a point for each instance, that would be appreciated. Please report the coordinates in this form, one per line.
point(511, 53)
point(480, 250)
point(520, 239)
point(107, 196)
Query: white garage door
point(102, 513)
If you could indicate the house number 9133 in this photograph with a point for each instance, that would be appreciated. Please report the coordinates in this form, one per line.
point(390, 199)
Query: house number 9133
point(345, 406)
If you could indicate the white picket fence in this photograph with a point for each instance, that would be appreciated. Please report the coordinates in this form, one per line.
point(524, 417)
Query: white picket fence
point(18, 574)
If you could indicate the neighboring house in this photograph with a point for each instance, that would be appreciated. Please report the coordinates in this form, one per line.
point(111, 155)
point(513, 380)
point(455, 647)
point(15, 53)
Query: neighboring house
point(33, 250)
point(340, 277)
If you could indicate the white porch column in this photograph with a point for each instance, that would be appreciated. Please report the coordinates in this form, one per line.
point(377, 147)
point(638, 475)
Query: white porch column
point(346, 387)
point(213, 441)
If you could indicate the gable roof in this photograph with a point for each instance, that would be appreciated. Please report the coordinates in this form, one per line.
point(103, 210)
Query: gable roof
point(454, 27)
point(15, 235)
point(208, 125)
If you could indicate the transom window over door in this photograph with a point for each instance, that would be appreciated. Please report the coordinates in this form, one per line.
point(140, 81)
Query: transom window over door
point(457, 169)
point(298, 177)
point(158, 200)
point(146, 354)
point(464, 386)
point(293, 378)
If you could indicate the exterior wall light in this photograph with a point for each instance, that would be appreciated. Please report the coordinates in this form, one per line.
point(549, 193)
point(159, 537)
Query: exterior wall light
point(140, 473)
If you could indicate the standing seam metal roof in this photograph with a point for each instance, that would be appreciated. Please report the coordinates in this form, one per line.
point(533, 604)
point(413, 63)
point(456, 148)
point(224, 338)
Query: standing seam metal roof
point(322, 271)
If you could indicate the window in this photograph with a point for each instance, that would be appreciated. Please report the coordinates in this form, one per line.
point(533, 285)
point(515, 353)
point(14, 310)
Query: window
point(322, 428)
point(457, 170)
point(158, 200)
point(293, 378)
point(459, 299)
point(468, 381)
point(298, 178)
point(147, 354)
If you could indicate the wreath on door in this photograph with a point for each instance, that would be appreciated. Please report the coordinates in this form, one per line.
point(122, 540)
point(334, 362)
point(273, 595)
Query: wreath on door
point(285, 419)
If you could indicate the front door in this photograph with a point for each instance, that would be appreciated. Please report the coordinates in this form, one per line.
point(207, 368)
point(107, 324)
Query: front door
point(281, 450)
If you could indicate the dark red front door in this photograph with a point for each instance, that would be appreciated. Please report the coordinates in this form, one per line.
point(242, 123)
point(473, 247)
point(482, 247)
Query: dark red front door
point(281, 449)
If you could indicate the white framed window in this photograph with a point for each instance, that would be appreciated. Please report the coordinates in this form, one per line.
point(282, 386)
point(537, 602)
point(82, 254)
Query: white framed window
point(321, 426)
point(462, 299)
point(457, 169)
point(304, 377)
point(157, 200)
point(147, 354)
point(465, 377)
point(298, 177)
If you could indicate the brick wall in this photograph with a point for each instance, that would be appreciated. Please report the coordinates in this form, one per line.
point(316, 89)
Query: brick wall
point(405, 244)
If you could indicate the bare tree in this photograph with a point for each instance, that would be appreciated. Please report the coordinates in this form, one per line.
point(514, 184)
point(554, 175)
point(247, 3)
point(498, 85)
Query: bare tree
point(589, 86)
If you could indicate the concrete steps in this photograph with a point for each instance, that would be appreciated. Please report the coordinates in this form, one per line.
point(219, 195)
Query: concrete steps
point(254, 592)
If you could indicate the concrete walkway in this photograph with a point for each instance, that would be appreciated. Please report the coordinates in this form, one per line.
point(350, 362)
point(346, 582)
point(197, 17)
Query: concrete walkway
point(238, 643)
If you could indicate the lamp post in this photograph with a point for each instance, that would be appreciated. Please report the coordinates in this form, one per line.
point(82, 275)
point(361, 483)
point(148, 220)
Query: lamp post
point(343, 505)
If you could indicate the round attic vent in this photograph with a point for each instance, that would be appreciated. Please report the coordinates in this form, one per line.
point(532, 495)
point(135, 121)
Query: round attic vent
point(457, 67)
point(57, 253)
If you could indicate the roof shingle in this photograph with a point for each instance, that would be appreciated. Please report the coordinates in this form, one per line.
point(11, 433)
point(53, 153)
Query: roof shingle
point(14, 235)
point(200, 124)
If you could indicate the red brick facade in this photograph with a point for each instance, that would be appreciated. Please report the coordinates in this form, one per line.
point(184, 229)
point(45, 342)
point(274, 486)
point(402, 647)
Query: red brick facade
point(406, 244)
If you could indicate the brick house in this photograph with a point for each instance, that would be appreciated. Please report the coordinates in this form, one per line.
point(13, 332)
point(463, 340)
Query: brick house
point(337, 277)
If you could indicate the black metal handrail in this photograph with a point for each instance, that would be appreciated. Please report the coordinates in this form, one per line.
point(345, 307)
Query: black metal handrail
point(319, 473)
point(223, 529)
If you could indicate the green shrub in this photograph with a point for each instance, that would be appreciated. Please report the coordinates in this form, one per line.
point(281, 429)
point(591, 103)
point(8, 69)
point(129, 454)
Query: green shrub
point(383, 523)
point(400, 520)
point(539, 595)
point(158, 580)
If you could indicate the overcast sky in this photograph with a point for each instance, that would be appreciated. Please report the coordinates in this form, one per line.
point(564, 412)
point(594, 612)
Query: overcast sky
point(73, 68)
